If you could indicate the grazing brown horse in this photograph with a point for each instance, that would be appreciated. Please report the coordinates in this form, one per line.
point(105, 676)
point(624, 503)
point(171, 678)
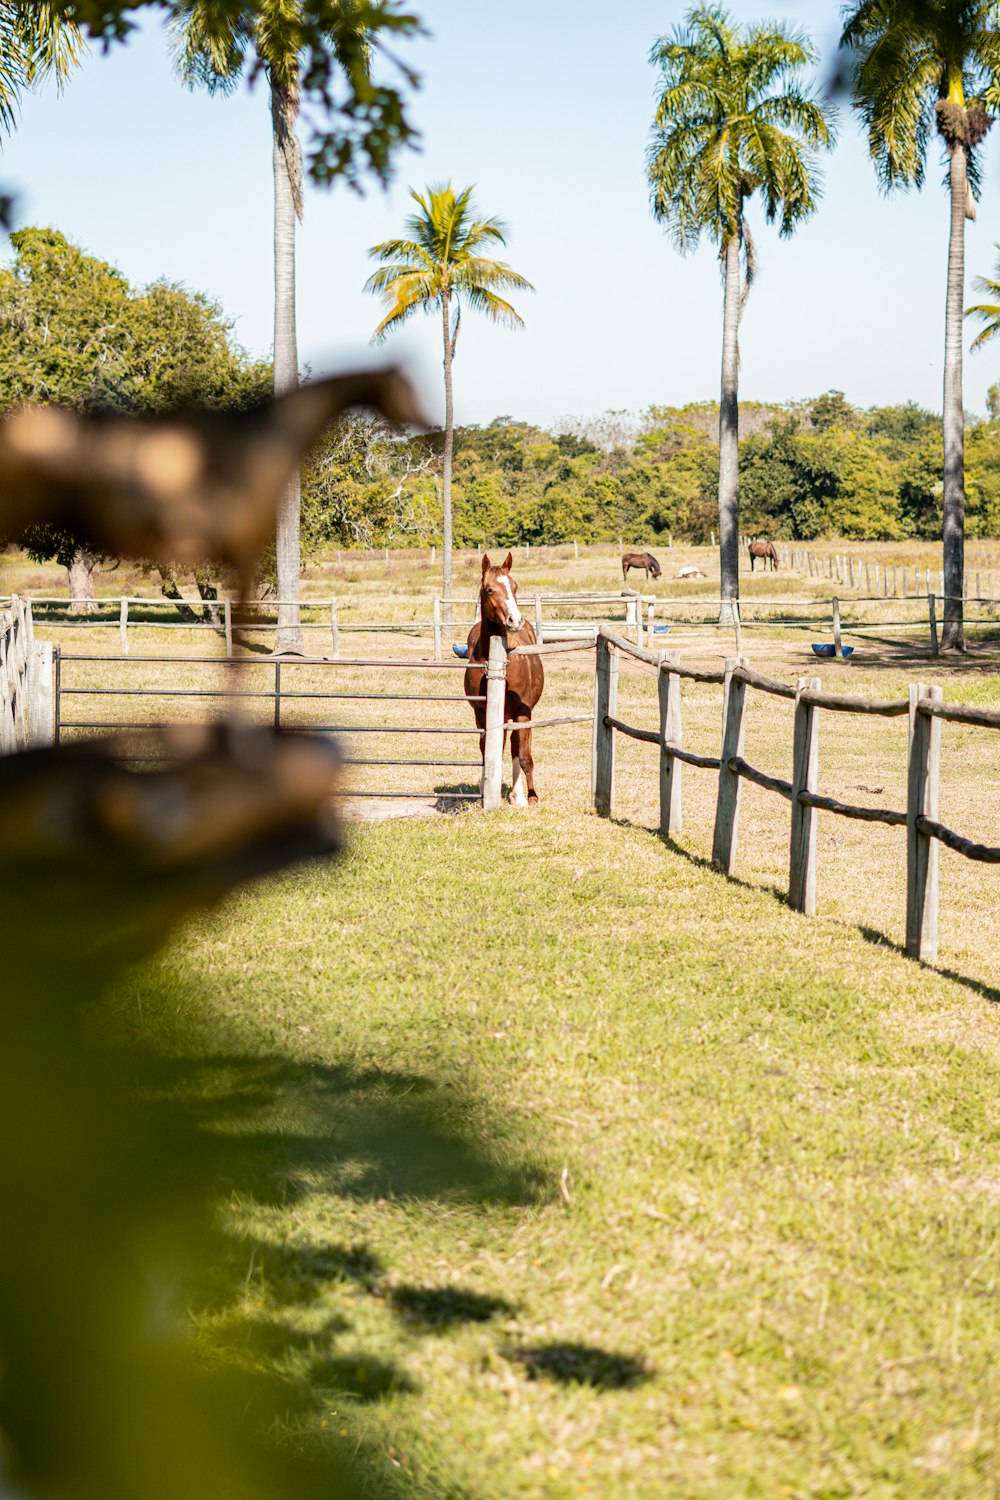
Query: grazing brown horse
point(766, 550)
point(499, 615)
point(644, 560)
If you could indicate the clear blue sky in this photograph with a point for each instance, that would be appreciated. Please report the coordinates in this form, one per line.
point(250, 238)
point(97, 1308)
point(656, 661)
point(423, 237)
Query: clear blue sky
point(546, 108)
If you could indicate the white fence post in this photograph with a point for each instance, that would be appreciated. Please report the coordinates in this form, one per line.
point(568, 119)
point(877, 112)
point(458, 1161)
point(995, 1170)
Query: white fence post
point(605, 706)
point(805, 776)
point(227, 624)
point(334, 630)
point(123, 626)
point(496, 694)
point(668, 687)
point(538, 619)
point(41, 696)
point(727, 808)
point(922, 784)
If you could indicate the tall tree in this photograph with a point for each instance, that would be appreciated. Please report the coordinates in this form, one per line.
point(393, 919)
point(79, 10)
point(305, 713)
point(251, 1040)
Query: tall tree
point(215, 41)
point(74, 333)
point(926, 67)
point(440, 262)
point(732, 119)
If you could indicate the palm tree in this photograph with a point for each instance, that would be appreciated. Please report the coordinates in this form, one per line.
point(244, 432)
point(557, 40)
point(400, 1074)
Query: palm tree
point(923, 67)
point(988, 312)
point(440, 262)
point(732, 120)
point(212, 50)
point(35, 43)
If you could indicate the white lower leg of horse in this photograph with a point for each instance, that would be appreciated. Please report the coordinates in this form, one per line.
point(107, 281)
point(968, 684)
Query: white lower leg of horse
point(518, 786)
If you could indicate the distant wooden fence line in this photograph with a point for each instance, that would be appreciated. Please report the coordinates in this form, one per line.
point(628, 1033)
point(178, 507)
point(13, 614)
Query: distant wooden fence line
point(232, 619)
point(25, 680)
point(924, 707)
point(885, 580)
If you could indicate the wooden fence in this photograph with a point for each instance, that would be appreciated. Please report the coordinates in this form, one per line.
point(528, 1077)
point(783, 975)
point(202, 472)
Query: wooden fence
point(25, 681)
point(228, 621)
point(924, 707)
point(882, 580)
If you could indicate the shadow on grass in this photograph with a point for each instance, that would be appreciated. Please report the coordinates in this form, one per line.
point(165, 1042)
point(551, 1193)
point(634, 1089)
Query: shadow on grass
point(435, 1309)
point(581, 1364)
point(977, 986)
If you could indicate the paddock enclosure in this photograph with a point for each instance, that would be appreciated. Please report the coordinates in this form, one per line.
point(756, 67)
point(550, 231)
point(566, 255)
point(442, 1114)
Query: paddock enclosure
point(410, 743)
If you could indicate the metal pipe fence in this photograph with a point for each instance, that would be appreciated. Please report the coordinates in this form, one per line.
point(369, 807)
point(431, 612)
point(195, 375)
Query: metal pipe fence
point(281, 697)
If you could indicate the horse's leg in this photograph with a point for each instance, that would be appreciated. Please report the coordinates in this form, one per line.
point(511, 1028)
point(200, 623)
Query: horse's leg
point(522, 791)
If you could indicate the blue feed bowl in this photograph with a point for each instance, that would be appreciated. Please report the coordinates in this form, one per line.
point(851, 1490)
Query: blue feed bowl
point(661, 629)
point(823, 648)
point(462, 651)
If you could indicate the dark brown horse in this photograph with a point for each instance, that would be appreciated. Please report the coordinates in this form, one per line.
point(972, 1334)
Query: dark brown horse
point(499, 615)
point(765, 550)
point(644, 560)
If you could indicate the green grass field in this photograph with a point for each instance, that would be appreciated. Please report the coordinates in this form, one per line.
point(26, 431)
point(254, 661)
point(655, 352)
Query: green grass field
point(698, 1198)
point(579, 1170)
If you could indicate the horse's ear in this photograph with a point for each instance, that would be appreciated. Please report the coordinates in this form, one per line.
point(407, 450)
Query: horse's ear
point(507, 563)
point(486, 563)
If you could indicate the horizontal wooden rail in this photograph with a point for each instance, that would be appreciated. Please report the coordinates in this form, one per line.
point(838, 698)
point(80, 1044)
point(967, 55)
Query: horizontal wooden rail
point(750, 773)
point(552, 648)
point(853, 810)
point(960, 713)
point(707, 762)
point(847, 703)
point(653, 658)
point(984, 853)
point(648, 736)
point(765, 684)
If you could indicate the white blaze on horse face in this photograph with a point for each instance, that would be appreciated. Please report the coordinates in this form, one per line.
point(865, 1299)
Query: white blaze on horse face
point(514, 617)
point(518, 786)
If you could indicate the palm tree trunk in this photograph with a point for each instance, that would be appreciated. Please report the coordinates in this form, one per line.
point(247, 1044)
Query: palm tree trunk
point(729, 458)
point(953, 531)
point(284, 111)
point(449, 437)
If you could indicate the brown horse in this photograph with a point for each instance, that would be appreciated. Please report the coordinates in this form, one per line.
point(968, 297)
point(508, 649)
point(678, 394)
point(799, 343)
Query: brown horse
point(766, 550)
point(644, 560)
point(499, 615)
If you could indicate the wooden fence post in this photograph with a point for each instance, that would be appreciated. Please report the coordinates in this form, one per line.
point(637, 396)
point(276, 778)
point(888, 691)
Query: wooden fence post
point(437, 629)
point(805, 776)
point(123, 626)
point(41, 719)
point(932, 614)
point(605, 705)
point(727, 807)
point(922, 782)
point(838, 649)
point(668, 687)
point(496, 694)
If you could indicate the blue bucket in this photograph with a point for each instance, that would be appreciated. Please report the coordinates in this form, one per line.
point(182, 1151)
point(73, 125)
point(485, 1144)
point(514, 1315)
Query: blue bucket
point(461, 651)
point(821, 648)
point(661, 629)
